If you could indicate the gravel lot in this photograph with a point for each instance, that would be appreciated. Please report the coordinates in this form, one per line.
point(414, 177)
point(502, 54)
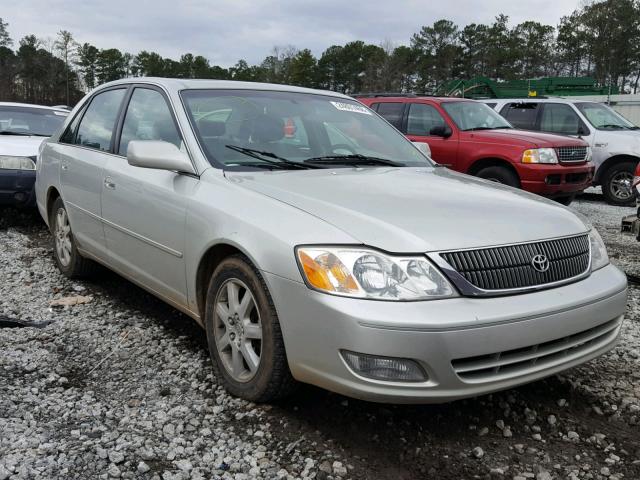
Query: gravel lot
point(121, 387)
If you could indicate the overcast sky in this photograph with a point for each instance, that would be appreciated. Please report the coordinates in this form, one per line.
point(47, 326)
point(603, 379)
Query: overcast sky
point(226, 30)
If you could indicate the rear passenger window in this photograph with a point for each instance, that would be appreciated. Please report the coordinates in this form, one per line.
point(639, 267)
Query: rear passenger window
point(521, 115)
point(97, 124)
point(392, 112)
point(148, 118)
point(422, 118)
point(559, 118)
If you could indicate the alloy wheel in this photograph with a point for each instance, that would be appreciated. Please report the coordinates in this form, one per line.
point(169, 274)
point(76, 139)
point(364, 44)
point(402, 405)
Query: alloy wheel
point(62, 236)
point(238, 330)
point(621, 186)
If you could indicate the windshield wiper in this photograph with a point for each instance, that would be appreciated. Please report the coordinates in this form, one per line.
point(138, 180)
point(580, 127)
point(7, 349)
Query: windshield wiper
point(613, 125)
point(259, 154)
point(486, 128)
point(354, 159)
point(9, 132)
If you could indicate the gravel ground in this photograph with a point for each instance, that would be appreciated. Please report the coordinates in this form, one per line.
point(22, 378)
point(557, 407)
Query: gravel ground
point(121, 387)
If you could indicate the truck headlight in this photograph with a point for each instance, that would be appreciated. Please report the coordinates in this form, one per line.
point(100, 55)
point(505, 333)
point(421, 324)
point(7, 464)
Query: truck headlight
point(540, 155)
point(599, 257)
point(589, 156)
point(365, 273)
point(17, 163)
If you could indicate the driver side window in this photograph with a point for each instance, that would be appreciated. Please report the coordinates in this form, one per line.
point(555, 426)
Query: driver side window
point(422, 118)
point(148, 118)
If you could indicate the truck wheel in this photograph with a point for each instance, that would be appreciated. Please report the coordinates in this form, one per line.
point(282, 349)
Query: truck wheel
point(616, 183)
point(65, 251)
point(243, 333)
point(500, 175)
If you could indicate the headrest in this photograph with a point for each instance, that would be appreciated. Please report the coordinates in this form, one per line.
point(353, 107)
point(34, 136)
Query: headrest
point(211, 128)
point(267, 128)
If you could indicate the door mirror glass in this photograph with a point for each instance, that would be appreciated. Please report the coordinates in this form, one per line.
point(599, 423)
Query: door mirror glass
point(158, 154)
point(443, 131)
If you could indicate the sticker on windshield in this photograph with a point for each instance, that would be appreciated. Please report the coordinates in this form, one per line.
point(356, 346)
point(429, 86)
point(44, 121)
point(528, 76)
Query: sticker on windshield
point(348, 107)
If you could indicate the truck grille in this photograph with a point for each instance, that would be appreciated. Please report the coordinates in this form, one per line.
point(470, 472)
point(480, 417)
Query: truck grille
point(525, 360)
point(571, 154)
point(513, 267)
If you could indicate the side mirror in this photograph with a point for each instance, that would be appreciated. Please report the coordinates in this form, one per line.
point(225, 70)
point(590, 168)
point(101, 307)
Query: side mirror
point(424, 148)
point(158, 155)
point(443, 131)
point(582, 131)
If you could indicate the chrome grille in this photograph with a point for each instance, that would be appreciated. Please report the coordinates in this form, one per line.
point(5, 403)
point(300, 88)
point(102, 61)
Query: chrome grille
point(571, 154)
point(510, 267)
point(525, 360)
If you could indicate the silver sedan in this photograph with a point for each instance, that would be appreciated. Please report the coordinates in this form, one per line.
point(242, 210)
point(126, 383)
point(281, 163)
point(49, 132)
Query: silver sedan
point(314, 243)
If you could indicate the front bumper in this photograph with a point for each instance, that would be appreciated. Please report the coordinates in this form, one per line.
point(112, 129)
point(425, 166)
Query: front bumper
point(316, 327)
point(16, 187)
point(556, 180)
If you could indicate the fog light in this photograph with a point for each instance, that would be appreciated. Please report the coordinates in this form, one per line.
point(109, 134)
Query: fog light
point(384, 368)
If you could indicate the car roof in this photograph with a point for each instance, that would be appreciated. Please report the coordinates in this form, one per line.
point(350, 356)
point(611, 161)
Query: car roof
point(412, 98)
point(177, 84)
point(31, 105)
point(535, 100)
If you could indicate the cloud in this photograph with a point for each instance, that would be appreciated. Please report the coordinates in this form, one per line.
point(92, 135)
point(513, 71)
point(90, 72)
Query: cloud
point(227, 30)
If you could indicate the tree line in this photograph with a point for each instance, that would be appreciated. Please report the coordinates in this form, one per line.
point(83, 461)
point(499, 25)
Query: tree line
point(599, 39)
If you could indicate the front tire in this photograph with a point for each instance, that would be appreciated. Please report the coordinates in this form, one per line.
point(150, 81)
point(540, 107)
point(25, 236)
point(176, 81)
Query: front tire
point(617, 184)
point(65, 251)
point(500, 175)
point(243, 333)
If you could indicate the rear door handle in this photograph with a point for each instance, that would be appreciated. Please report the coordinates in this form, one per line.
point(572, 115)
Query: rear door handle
point(108, 182)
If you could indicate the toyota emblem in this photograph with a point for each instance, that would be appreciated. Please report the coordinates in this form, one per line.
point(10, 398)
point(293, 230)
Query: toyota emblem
point(540, 263)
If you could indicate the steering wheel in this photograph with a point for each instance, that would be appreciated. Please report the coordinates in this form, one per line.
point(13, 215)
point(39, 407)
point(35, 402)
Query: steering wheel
point(343, 146)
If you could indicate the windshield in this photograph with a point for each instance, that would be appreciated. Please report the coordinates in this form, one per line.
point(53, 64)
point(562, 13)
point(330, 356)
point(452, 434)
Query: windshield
point(29, 121)
point(474, 116)
point(240, 129)
point(603, 117)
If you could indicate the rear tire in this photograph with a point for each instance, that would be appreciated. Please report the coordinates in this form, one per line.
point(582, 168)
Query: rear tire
point(500, 175)
point(65, 251)
point(243, 333)
point(616, 184)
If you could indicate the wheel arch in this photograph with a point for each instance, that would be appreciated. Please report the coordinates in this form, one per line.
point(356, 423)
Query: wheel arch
point(481, 163)
point(52, 195)
point(610, 162)
point(209, 261)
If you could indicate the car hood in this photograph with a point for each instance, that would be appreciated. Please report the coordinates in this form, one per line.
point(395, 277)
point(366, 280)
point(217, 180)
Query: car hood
point(526, 138)
point(619, 140)
point(415, 210)
point(20, 146)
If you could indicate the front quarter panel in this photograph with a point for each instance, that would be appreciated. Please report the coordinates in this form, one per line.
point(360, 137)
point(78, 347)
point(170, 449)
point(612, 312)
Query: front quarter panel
point(264, 229)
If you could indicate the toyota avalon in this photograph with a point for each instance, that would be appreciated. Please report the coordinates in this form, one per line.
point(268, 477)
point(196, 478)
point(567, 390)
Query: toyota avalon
point(316, 244)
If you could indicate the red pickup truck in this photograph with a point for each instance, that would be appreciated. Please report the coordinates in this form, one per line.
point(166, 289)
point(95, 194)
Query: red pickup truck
point(470, 137)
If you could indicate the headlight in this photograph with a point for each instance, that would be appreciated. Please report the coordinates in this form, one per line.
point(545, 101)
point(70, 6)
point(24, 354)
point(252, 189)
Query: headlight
point(17, 163)
point(363, 273)
point(540, 155)
point(599, 257)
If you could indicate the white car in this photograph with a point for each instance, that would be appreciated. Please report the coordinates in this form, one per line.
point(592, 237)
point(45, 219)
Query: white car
point(614, 140)
point(23, 127)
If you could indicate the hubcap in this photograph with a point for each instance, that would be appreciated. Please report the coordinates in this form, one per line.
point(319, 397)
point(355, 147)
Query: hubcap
point(621, 185)
point(62, 235)
point(238, 330)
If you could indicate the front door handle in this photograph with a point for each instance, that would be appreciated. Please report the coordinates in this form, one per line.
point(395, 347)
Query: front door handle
point(108, 182)
point(64, 166)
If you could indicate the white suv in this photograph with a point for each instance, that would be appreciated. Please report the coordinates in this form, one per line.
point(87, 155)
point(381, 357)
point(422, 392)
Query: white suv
point(615, 141)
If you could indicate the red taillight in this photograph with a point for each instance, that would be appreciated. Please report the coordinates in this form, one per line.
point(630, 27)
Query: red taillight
point(636, 178)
